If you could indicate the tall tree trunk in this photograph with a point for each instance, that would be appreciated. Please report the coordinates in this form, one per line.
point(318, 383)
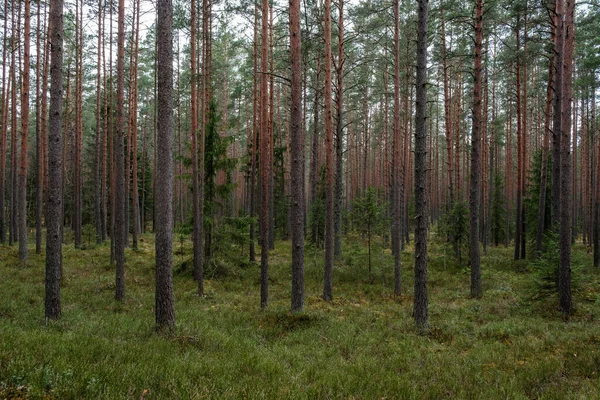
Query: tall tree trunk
point(134, 128)
point(165, 311)
point(519, 223)
point(557, 118)
point(198, 270)
point(421, 312)
point(297, 154)
point(4, 131)
point(254, 141)
point(314, 153)
point(55, 197)
point(339, 135)
point(447, 115)
point(99, 136)
point(206, 100)
point(264, 158)
point(539, 237)
point(23, 253)
point(39, 158)
point(13, 132)
point(396, 193)
point(564, 275)
point(328, 273)
point(120, 194)
point(77, 144)
point(474, 256)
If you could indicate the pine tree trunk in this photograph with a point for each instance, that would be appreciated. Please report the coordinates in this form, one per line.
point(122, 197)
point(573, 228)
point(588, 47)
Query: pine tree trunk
point(134, 147)
point(544, 173)
point(264, 158)
point(165, 312)
point(99, 136)
point(328, 273)
point(421, 312)
point(120, 194)
point(55, 196)
point(39, 159)
point(474, 255)
point(198, 270)
point(339, 136)
point(396, 193)
point(12, 237)
point(314, 153)
point(23, 253)
point(564, 275)
point(4, 131)
point(297, 155)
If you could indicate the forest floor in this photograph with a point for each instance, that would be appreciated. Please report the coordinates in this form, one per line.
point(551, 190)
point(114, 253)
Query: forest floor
point(511, 344)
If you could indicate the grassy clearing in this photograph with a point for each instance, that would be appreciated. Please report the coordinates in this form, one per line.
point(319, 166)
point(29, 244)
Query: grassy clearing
point(510, 344)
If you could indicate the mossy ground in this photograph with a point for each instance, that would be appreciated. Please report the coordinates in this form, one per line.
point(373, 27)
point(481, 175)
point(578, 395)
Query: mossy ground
point(509, 344)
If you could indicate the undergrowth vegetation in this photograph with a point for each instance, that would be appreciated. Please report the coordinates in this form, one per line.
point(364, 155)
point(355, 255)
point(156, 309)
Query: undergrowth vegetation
point(512, 343)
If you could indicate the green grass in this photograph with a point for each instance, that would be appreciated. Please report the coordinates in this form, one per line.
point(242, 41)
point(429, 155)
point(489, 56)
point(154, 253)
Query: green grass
point(509, 344)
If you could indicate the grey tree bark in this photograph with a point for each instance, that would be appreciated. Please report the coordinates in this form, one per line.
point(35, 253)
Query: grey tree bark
point(55, 144)
point(421, 312)
point(165, 310)
point(297, 161)
point(23, 253)
point(474, 252)
point(120, 194)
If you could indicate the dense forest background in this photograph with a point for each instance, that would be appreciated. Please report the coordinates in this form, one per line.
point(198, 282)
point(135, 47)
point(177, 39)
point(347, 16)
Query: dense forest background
point(374, 162)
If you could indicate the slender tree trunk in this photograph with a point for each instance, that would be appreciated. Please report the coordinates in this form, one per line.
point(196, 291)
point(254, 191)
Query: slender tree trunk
point(99, 136)
point(23, 253)
point(421, 312)
point(339, 135)
point(564, 275)
point(519, 222)
point(474, 255)
point(198, 270)
point(39, 159)
point(557, 118)
point(55, 197)
point(297, 154)
point(544, 173)
point(447, 115)
point(254, 141)
point(120, 194)
point(314, 153)
point(165, 311)
point(264, 158)
point(396, 193)
point(4, 131)
point(134, 146)
point(77, 145)
point(328, 274)
point(13, 236)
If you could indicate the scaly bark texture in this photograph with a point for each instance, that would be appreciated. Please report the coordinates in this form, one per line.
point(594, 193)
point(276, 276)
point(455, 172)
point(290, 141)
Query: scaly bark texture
point(120, 195)
point(544, 173)
point(421, 312)
point(3, 132)
point(264, 158)
point(396, 168)
point(564, 270)
point(328, 273)
point(196, 238)
point(297, 154)
point(165, 310)
point(24, 135)
point(339, 135)
point(474, 252)
point(55, 144)
point(99, 135)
